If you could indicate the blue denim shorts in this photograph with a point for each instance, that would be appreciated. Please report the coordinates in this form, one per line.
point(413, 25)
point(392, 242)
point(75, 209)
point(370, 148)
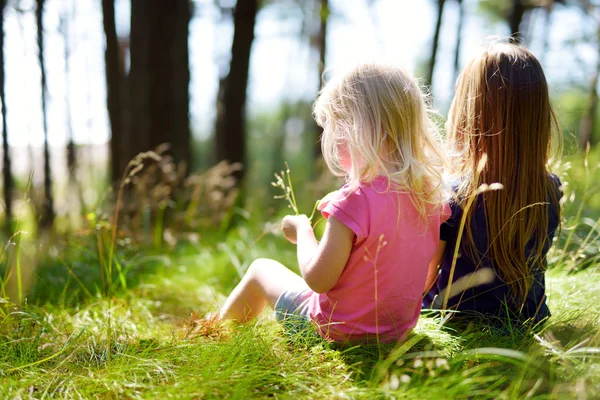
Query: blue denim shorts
point(291, 309)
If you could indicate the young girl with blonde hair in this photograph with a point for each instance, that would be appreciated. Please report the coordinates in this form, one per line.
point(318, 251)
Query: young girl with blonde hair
point(500, 129)
point(364, 279)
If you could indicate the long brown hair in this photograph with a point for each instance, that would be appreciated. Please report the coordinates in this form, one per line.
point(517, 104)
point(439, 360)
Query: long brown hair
point(502, 111)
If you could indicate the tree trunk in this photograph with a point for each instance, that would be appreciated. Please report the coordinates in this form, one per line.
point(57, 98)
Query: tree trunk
point(6, 165)
point(436, 39)
point(588, 124)
point(64, 28)
point(114, 79)
point(515, 18)
point(159, 78)
point(230, 135)
point(321, 43)
point(459, 28)
point(48, 207)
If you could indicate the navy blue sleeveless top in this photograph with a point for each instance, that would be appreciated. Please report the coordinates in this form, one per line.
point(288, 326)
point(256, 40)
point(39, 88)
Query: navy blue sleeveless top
point(477, 286)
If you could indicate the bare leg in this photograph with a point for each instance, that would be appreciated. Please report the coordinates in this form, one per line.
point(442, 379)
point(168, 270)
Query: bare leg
point(262, 284)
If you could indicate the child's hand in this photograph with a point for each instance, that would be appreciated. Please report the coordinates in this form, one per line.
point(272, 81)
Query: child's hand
point(325, 200)
point(291, 224)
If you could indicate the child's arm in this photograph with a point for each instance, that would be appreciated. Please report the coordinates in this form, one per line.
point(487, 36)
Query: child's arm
point(435, 262)
point(321, 264)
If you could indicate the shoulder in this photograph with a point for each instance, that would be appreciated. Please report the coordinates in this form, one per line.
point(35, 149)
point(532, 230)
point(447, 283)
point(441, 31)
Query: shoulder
point(455, 203)
point(350, 206)
point(554, 196)
point(555, 185)
point(368, 193)
point(554, 179)
point(348, 197)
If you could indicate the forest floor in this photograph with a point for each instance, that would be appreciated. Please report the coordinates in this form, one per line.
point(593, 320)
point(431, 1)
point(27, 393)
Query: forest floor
point(144, 341)
point(133, 328)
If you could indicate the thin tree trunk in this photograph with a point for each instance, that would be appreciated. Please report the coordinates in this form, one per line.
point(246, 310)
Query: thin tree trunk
point(321, 43)
point(588, 123)
point(48, 206)
point(230, 135)
point(6, 164)
point(435, 42)
point(114, 79)
point(64, 25)
point(74, 190)
point(459, 29)
point(515, 18)
point(178, 126)
point(159, 77)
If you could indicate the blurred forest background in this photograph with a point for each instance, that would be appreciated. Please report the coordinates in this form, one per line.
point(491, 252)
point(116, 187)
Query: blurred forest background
point(140, 139)
point(218, 94)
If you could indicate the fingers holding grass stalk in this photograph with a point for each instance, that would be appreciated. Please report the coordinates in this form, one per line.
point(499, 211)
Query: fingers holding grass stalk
point(292, 224)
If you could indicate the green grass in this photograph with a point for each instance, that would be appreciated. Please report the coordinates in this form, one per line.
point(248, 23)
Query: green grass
point(133, 332)
point(137, 344)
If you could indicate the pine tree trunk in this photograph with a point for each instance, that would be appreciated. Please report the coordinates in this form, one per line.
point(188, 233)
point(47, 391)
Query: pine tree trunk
point(230, 136)
point(48, 207)
point(159, 78)
point(114, 80)
point(6, 164)
point(435, 42)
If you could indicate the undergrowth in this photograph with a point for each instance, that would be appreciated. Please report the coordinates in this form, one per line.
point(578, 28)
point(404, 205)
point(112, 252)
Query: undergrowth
point(80, 326)
point(145, 342)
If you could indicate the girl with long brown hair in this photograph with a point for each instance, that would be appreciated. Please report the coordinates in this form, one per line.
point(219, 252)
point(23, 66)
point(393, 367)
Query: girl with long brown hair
point(501, 132)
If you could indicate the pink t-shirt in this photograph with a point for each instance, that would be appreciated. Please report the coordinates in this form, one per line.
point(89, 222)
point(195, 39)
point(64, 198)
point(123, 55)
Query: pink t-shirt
point(380, 289)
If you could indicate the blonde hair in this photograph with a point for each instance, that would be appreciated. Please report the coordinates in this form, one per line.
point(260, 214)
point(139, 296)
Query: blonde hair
point(376, 116)
point(501, 112)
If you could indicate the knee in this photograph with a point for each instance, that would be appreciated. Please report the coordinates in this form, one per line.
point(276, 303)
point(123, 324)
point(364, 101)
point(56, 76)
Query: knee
point(257, 275)
point(257, 269)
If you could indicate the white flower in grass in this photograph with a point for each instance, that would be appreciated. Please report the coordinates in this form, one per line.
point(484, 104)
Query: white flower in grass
point(394, 382)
